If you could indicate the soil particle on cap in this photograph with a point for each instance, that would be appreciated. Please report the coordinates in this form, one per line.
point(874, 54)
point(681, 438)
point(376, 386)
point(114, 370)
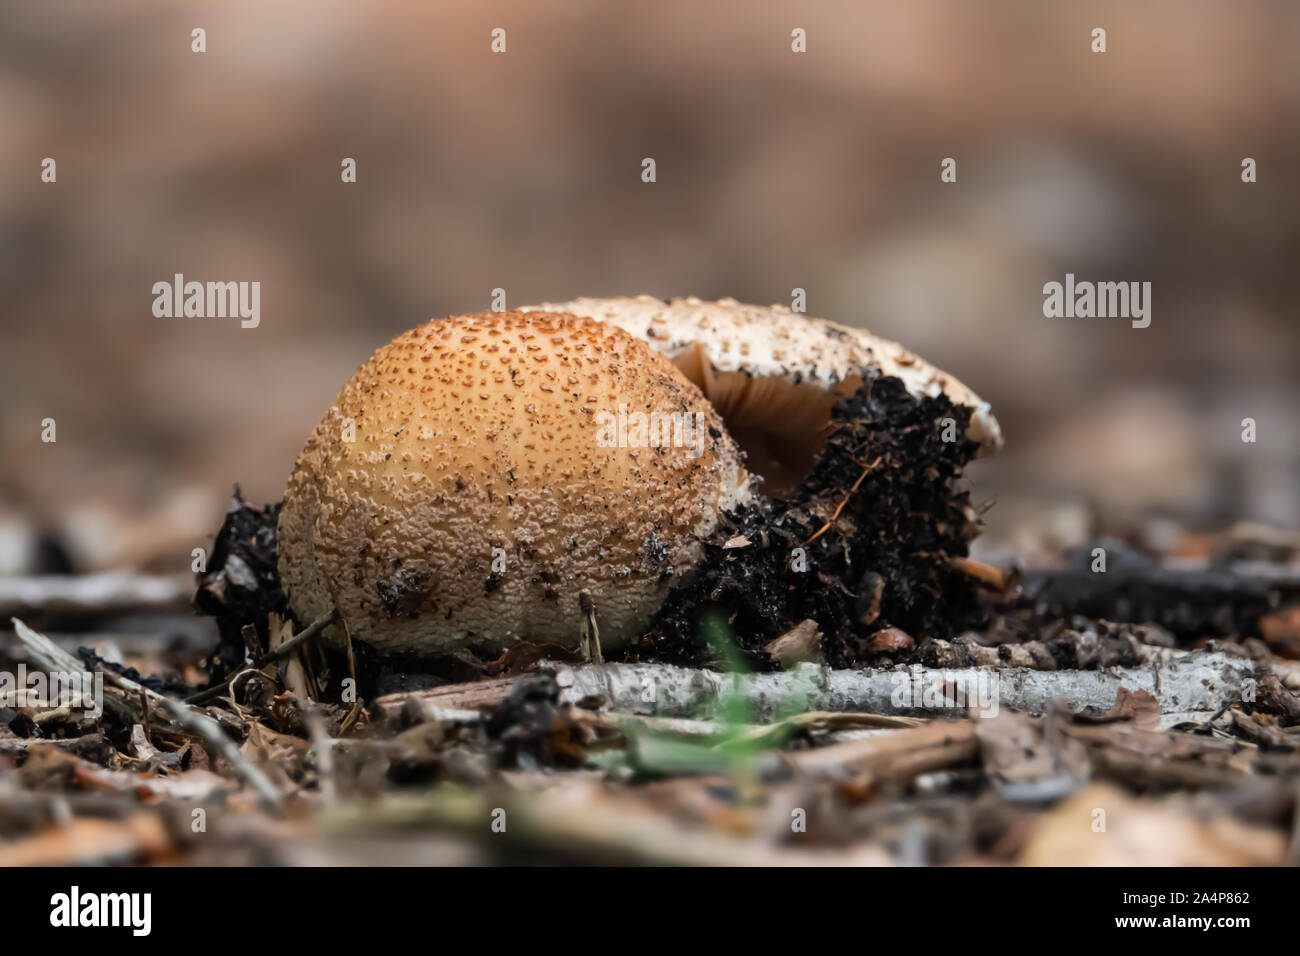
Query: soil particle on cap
point(405, 592)
point(654, 551)
point(884, 562)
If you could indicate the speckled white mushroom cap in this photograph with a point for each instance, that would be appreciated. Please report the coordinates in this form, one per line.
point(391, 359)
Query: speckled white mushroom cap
point(467, 485)
point(774, 342)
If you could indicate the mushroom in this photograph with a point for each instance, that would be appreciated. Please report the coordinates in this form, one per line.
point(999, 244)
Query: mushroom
point(499, 488)
point(861, 523)
point(481, 472)
point(773, 374)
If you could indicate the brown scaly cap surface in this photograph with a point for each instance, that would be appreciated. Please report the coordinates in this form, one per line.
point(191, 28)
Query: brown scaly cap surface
point(483, 432)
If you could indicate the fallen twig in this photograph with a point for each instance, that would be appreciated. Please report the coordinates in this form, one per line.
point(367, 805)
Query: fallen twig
point(898, 754)
point(1190, 602)
point(819, 720)
point(94, 593)
point(301, 638)
point(355, 712)
point(835, 516)
point(1198, 682)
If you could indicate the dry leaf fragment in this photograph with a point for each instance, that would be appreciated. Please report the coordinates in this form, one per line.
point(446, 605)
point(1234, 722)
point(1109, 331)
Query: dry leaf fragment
point(1102, 826)
point(799, 644)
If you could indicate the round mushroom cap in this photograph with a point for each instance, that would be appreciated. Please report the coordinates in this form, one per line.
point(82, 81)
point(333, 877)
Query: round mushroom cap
point(758, 364)
point(481, 471)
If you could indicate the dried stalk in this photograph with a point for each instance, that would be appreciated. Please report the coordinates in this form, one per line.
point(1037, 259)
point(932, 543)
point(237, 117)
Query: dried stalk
point(94, 593)
point(301, 638)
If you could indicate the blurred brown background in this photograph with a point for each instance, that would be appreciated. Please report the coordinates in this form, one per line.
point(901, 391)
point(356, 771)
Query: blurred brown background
point(522, 171)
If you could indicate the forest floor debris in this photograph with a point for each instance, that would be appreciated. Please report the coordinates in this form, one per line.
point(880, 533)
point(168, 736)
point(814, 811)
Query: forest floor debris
point(1044, 738)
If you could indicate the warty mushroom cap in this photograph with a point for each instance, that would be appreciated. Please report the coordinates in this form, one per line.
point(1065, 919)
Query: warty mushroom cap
point(477, 439)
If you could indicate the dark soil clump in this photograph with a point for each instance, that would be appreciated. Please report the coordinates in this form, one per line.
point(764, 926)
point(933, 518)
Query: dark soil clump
point(886, 483)
point(242, 583)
